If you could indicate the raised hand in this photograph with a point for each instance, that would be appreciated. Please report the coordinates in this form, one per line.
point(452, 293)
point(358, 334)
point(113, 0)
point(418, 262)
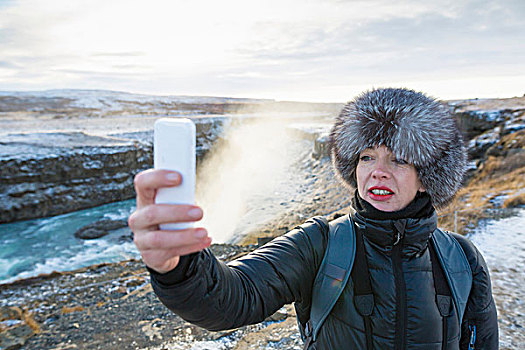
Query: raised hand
point(161, 249)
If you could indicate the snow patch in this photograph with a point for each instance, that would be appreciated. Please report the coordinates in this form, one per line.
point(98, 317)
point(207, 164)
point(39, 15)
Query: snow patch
point(490, 115)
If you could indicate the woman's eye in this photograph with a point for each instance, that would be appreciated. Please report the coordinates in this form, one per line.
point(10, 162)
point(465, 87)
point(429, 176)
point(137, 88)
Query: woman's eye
point(400, 161)
point(365, 158)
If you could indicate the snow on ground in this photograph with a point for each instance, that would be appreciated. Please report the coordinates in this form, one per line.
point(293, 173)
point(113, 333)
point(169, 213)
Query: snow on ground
point(502, 243)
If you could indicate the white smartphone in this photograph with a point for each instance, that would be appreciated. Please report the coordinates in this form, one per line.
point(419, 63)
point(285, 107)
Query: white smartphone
point(174, 149)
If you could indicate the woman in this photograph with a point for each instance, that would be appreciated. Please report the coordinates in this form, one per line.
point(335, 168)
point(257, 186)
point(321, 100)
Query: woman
point(403, 153)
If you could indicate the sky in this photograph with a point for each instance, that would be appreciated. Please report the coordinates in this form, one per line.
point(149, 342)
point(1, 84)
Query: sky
point(309, 50)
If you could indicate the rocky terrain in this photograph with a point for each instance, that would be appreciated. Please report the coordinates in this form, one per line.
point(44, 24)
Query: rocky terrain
point(112, 305)
point(100, 307)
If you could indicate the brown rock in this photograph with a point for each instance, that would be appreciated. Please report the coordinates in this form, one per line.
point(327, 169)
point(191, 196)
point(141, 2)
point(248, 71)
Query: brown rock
point(99, 228)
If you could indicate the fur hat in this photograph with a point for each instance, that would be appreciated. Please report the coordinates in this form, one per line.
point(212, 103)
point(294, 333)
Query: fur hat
point(413, 126)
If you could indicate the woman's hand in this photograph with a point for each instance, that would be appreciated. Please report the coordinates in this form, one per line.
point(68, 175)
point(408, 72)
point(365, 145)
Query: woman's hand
point(161, 249)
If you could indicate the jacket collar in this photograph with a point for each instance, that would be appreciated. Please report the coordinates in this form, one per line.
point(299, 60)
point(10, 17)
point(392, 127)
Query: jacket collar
point(412, 233)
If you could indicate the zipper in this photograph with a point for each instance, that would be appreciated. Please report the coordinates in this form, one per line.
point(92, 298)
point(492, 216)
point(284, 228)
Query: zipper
point(398, 238)
point(401, 307)
point(472, 342)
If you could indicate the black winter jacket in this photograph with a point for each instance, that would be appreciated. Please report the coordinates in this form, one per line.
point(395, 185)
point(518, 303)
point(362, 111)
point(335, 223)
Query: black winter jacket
point(220, 296)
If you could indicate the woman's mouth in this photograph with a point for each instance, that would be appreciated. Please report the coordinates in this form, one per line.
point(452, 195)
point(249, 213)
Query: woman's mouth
point(380, 193)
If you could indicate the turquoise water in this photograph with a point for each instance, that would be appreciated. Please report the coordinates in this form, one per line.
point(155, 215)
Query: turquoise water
point(32, 247)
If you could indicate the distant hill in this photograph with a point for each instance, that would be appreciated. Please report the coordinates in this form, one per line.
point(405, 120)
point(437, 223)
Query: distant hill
point(104, 102)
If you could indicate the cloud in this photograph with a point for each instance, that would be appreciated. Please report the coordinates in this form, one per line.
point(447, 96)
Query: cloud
point(258, 48)
point(468, 29)
point(7, 64)
point(119, 54)
point(474, 39)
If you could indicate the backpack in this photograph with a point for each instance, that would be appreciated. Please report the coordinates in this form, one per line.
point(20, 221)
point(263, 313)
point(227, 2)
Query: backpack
point(451, 272)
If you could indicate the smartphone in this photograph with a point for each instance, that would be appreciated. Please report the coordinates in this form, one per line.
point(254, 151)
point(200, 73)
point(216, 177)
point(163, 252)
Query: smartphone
point(174, 149)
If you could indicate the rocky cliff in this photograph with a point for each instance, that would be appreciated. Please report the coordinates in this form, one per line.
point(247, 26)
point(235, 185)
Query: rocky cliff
point(50, 173)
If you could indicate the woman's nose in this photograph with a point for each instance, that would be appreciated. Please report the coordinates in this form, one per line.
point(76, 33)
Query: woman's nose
point(380, 171)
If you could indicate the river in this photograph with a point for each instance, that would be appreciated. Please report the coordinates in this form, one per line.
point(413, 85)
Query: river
point(32, 247)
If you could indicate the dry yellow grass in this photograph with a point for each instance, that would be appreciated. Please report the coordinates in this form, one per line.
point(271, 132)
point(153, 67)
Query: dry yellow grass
point(30, 321)
point(67, 310)
point(475, 201)
point(16, 313)
point(515, 201)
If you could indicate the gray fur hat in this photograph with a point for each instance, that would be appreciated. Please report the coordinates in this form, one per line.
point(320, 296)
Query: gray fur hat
point(413, 126)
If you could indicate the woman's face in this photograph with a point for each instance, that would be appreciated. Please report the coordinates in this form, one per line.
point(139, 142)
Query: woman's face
point(387, 183)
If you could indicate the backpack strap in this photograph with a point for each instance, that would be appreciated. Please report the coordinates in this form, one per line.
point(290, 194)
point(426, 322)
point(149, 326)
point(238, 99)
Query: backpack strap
point(363, 295)
point(443, 293)
point(455, 267)
point(333, 274)
point(311, 227)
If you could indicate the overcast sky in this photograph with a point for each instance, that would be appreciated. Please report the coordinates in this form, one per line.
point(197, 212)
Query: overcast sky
point(309, 50)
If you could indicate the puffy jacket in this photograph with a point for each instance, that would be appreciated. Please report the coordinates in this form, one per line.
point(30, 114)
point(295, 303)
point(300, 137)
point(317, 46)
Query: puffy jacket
point(220, 296)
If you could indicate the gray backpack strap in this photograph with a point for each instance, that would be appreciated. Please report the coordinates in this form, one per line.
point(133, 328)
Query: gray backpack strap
point(456, 267)
point(333, 273)
point(312, 227)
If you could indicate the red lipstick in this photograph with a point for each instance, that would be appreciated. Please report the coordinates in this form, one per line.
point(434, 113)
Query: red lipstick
point(382, 193)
